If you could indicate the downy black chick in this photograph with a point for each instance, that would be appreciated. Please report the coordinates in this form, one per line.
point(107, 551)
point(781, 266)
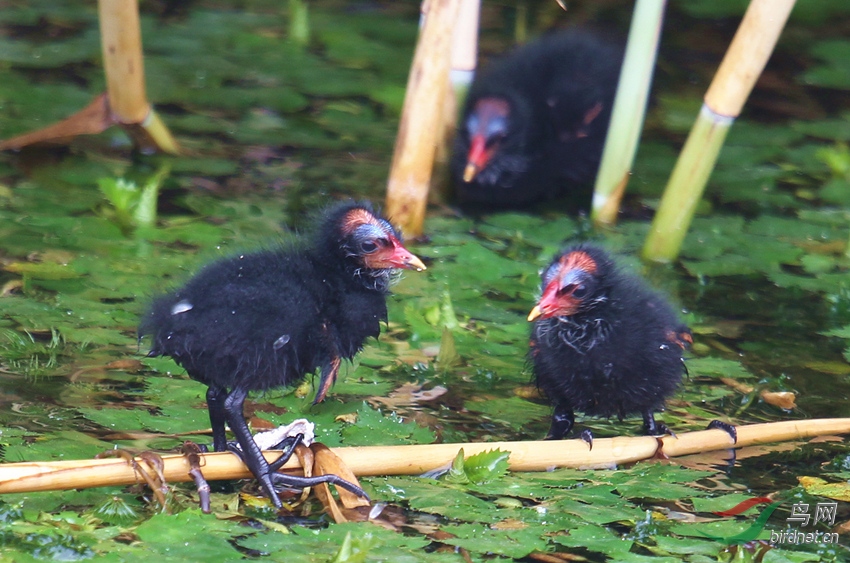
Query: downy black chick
point(266, 319)
point(603, 342)
point(534, 122)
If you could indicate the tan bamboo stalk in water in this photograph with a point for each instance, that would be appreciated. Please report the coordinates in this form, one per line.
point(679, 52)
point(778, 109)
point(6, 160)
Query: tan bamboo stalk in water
point(629, 111)
point(125, 103)
point(421, 116)
point(417, 459)
point(464, 58)
point(121, 44)
point(744, 61)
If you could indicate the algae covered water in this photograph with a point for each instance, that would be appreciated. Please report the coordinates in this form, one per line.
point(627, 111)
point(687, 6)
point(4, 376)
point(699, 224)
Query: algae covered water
point(273, 129)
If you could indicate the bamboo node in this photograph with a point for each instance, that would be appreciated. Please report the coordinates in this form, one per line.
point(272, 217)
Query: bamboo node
point(715, 117)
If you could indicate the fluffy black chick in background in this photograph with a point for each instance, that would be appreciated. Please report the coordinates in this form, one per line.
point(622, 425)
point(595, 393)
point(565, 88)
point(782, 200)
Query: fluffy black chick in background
point(603, 342)
point(266, 319)
point(534, 122)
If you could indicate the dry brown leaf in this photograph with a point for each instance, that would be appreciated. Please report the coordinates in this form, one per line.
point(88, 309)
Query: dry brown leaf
point(439, 535)
point(126, 365)
point(555, 557)
point(528, 392)
point(11, 287)
point(822, 439)
point(94, 118)
point(408, 394)
point(328, 463)
point(837, 246)
point(510, 524)
point(737, 385)
point(349, 418)
point(306, 458)
point(842, 528)
point(781, 399)
point(723, 328)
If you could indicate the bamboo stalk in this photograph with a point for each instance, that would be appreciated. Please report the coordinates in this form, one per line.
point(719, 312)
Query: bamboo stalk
point(629, 110)
point(299, 22)
point(125, 103)
point(685, 187)
point(744, 61)
point(464, 58)
point(419, 128)
point(121, 44)
point(123, 64)
point(417, 459)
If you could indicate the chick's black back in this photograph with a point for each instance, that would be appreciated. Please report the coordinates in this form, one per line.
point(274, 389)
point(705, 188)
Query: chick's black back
point(265, 319)
point(619, 354)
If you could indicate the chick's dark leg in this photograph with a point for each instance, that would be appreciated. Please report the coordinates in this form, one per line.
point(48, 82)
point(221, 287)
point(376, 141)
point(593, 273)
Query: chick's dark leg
point(215, 404)
point(251, 454)
point(726, 427)
point(288, 446)
point(652, 427)
point(330, 371)
point(563, 420)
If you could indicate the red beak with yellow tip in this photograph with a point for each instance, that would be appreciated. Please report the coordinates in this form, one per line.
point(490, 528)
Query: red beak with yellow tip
point(478, 157)
point(395, 255)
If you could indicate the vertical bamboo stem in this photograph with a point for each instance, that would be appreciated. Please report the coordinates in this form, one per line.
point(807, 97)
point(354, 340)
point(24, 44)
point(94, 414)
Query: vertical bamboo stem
point(464, 57)
point(121, 42)
point(629, 110)
point(744, 61)
point(299, 22)
point(419, 128)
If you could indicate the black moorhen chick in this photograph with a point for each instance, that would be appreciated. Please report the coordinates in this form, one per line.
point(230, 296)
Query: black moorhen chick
point(265, 319)
point(534, 122)
point(603, 342)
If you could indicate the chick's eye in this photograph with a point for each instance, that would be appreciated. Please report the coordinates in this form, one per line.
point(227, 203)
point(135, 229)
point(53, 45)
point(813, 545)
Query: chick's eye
point(575, 290)
point(368, 246)
point(580, 291)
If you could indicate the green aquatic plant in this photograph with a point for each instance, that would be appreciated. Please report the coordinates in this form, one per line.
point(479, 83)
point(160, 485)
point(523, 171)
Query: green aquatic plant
point(133, 205)
point(478, 469)
point(21, 352)
point(355, 549)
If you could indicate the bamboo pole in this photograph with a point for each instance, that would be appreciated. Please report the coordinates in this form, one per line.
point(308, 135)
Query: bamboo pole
point(629, 110)
point(299, 22)
point(419, 128)
point(744, 61)
point(464, 57)
point(125, 103)
point(121, 44)
point(417, 459)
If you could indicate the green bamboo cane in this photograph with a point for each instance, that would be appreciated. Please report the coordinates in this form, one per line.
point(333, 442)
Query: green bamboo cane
point(629, 110)
point(744, 61)
point(299, 22)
